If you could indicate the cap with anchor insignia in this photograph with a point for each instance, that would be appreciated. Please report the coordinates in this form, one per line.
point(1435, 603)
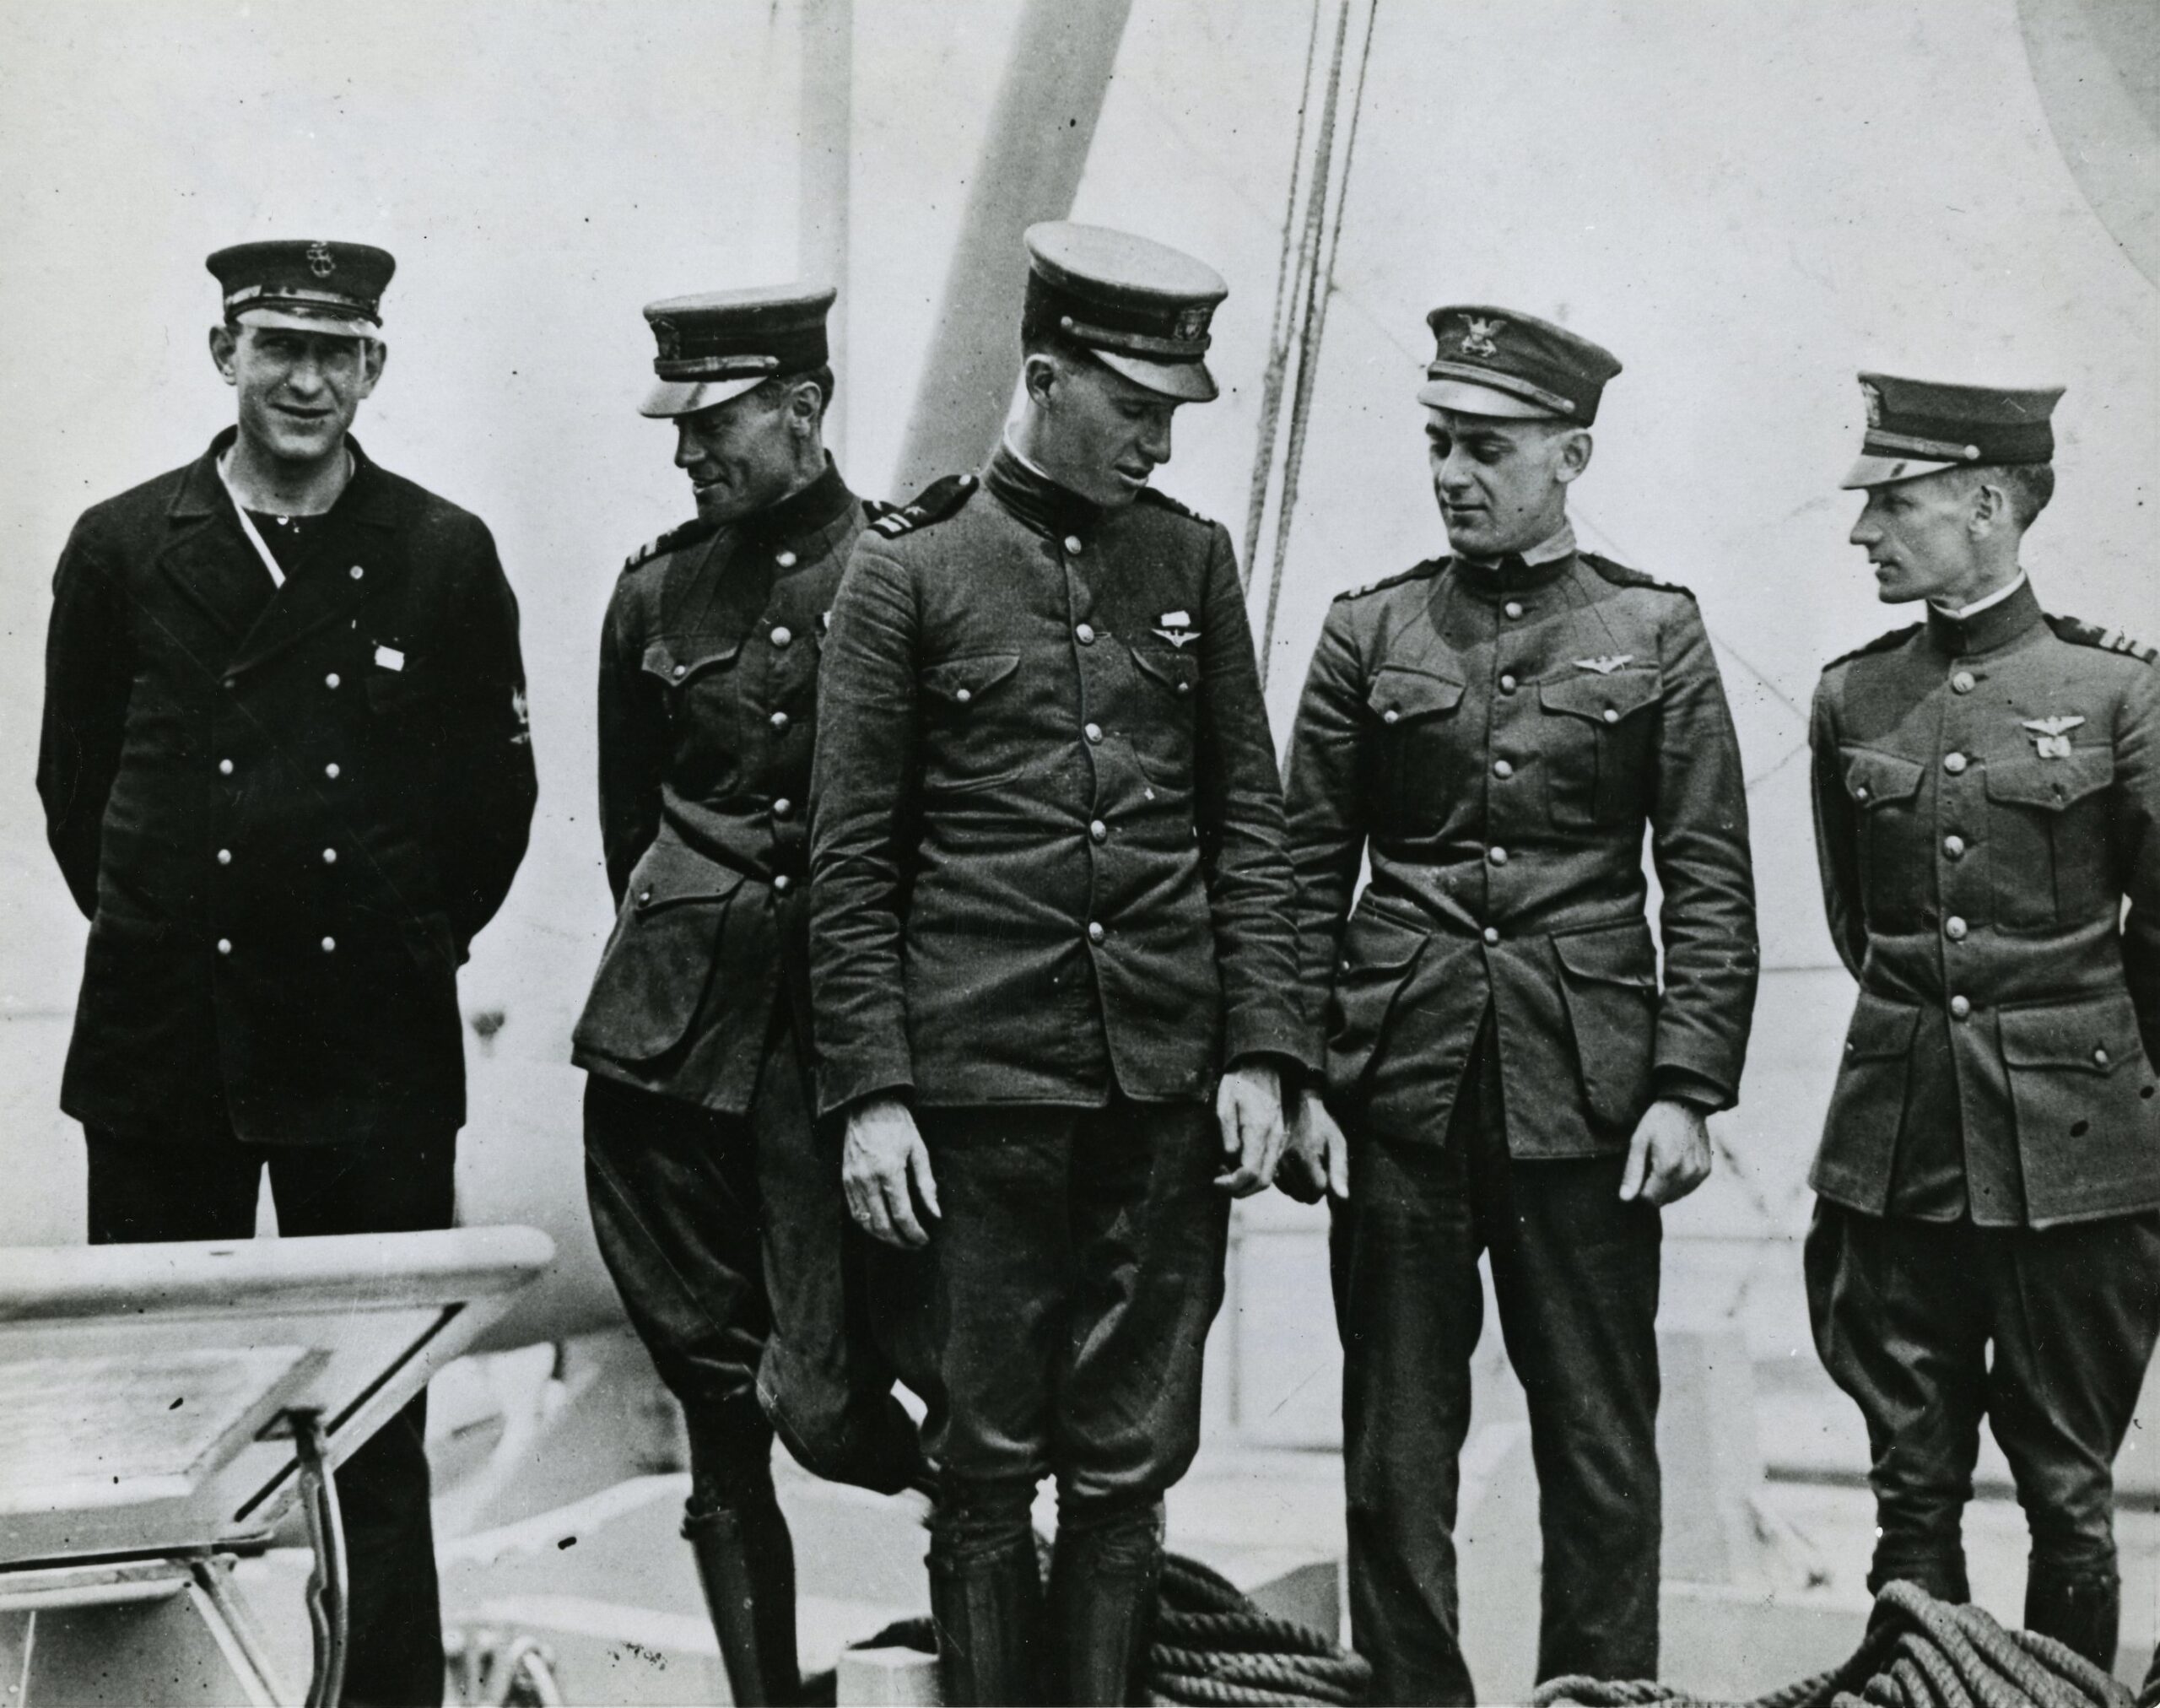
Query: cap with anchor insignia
point(1139, 307)
point(722, 343)
point(1917, 427)
point(308, 287)
point(1494, 361)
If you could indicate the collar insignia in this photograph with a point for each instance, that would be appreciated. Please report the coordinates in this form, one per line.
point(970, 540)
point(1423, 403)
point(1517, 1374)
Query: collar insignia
point(1606, 665)
point(2051, 735)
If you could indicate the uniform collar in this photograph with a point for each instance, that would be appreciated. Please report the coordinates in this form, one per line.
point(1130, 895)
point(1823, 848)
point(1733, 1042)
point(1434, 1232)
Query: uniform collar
point(1541, 564)
point(1996, 597)
point(802, 514)
point(366, 497)
point(1987, 625)
point(1039, 502)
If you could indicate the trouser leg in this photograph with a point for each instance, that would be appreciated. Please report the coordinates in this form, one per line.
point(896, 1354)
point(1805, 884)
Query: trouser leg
point(2075, 1311)
point(1900, 1319)
point(1409, 1308)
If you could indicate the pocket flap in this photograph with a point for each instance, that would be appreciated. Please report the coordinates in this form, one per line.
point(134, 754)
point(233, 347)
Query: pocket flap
point(1376, 942)
point(676, 658)
point(1605, 699)
point(1617, 955)
point(1398, 692)
point(958, 681)
point(2095, 1036)
point(1877, 779)
point(1881, 1029)
point(670, 875)
point(1176, 671)
point(2050, 785)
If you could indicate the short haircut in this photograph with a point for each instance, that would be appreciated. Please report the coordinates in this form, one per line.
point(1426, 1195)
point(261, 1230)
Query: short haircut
point(1040, 335)
point(771, 391)
point(2027, 485)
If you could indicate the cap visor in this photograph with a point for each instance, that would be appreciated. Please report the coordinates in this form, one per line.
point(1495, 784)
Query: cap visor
point(1467, 399)
point(1189, 382)
point(1889, 471)
point(328, 326)
point(687, 397)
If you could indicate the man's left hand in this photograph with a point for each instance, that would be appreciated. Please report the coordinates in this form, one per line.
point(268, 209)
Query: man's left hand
point(1670, 1156)
point(1248, 1104)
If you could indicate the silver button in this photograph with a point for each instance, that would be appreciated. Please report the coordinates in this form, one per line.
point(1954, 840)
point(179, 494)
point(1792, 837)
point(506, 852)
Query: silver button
point(1390, 715)
point(1954, 928)
point(1499, 857)
point(356, 572)
point(1512, 608)
point(782, 635)
point(786, 560)
point(2101, 1058)
point(1094, 732)
point(331, 771)
point(1094, 932)
point(1507, 684)
point(1612, 715)
point(644, 898)
point(1492, 934)
point(1501, 768)
point(783, 807)
point(225, 856)
point(224, 768)
point(1954, 764)
point(1860, 792)
point(1962, 683)
point(1954, 846)
point(330, 945)
point(1099, 830)
point(965, 696)
point(1085, 634)
point(1959, 1007)
point(680, 671)
point(1072, 545)
point(782, 883)
point(331, 680)
point(779, 721)
point(330, 856)
point(1185, 687)
point(225, 945)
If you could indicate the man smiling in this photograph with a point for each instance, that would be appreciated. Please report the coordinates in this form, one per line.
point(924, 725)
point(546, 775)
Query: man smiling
point(286, 775)
point(1494, 730)
point(1987, 1237)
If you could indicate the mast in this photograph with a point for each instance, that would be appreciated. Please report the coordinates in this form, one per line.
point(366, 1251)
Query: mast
point(823, 180)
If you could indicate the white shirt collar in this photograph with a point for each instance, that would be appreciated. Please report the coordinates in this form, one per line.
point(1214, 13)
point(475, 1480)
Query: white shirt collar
point(1979, 605)
point(1029, 463)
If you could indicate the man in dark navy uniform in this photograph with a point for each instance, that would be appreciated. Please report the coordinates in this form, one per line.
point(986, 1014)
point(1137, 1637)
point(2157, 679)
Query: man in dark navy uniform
point(1055, 992)
point(715, 1196)
point(1494, 731)
point(1987, 799)
point(286, 775)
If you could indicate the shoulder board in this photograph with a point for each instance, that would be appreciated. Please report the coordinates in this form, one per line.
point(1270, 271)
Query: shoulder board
point(2079, 634)
point(1421, 572)
point(1881, 643)
point(941, 499)
point(673, 540)
point(1622, 576)
point(1164, 501)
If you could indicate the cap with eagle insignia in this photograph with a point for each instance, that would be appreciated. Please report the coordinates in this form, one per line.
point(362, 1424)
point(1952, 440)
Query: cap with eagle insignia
point(722, 343)
point(941, 499)
point(1139, 307)
point(1494, 361)
point(293, 285)
point(1919, 427)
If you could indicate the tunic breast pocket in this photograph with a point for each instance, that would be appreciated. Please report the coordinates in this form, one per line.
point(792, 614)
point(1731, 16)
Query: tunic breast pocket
point(1417, 770)
point(971, 728)
point(2048, 843)
point(698, 681)
point(1600, 745)
point(1162, 721)
point(1896, 853)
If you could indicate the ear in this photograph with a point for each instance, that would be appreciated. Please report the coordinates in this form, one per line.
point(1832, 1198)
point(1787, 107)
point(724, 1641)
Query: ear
point(1989, 508)
point(224, 345)
point(1571, 455)
point(372, 360)
point(1040, 374)
point(805, 405)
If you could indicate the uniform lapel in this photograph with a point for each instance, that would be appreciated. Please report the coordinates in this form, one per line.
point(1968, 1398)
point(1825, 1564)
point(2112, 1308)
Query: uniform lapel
point(353, 560)
point(728, 590)
point(206, 558)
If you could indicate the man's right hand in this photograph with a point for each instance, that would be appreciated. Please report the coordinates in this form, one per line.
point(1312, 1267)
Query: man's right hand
point(1316, 1160)
point(883, 1155)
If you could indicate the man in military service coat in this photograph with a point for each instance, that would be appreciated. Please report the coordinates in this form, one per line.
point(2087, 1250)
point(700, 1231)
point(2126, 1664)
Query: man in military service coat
point(1987, 798)
point(1494, 730)
point(716, 1197)
point(1050, 929)
point(286, 776)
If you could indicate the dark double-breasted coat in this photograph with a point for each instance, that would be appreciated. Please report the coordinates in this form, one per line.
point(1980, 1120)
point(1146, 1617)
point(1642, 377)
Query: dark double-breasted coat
point(1987, 798)
point(1496, 739)
point(287, 811)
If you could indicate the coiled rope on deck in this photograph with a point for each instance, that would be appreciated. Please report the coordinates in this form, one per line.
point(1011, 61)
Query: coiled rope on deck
point(1919, 1652)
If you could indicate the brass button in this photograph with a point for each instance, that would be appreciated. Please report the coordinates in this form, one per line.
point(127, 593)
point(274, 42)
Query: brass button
point(1860, 792)
point(2101, 1058)
point(1094, 732)
point(1962, 683)
point(1390, 715)
point(779, 721)
point(330, 856)
point(356, 572)
point(1954, 928)
point(225, 945)
point(1612, 715)
point(1499, 857)
point(1959, 1007)
point(783, 807)
point(224, 768)
point(331, 680)
point(1085, 634)
point(1954, 846)
point(1094, 932)
point(225, 856)
point(1185, 687)
point(782, 635)
point(1507, 684)
point(782, 883)
point(644, 898)
point(680, 671)
point(1099, 830)
point(331, 771)
point(965, 696)
point(330, 945)
point(786, 560)
point(1492, 934)
point(1072, 545)
point(1513, 608)
point(1501, 768)
point(1954, 764)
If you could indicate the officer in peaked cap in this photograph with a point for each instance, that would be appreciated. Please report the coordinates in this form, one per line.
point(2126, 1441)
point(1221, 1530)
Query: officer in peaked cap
point(1987, 797)
point(715, 1194)
point(286, 776)
point(1493, 730)
point(1056, 993)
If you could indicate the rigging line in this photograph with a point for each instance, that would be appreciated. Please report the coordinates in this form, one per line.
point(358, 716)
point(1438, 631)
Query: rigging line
point(1315, 313)
point(1279, 320)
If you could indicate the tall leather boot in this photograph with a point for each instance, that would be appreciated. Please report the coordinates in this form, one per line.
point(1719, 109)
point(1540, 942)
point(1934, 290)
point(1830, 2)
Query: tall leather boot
point(989, 1614)
point(2080, 1609)
point(746, 1562)
point(1102, 1587)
